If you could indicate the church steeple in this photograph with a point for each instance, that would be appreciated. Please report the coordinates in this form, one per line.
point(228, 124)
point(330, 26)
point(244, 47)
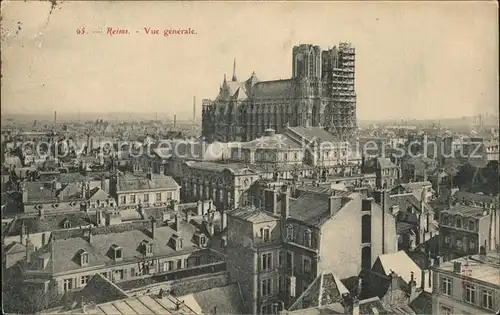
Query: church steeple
point(234, 70)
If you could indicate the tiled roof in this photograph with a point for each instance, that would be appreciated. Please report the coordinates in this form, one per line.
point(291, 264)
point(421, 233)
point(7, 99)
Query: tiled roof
point(316, 134)
point(159, 182)
point(139, 305)
point(465, 210)
point(385, 163)
point(478, 198)
point(313, 208)
point(277, 141)
point(100, 290)
point(65, 251)
point(401, 264)
point(326, 289)
point(272, 89)
point(35, 224)
point(252, 214)
point(225, 300)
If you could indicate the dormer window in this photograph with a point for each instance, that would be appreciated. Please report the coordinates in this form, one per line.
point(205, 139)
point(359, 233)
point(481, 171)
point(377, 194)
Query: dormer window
point(66, 224)
point(266, 234)
point(445, 220)
point(459, 222)
point(177, 242)
point(201, 239)
point(117, 252)
point(84, 257)
point(147, 248)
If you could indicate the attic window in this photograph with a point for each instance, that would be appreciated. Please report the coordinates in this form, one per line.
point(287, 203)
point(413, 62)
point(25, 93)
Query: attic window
point(117, 252)
point(177, 242)
point(147, 248)
point(203, 240)
point(266, 234)
point(84, 258)
point(66, 224)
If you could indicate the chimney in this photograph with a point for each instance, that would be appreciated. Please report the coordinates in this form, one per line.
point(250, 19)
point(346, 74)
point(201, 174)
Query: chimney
point(41, 213)
point(413, 287)
point(175, 206)
point(355, 306)
point(23, 233)
point(176, 223)
point(29, 250)
point(335, 203)
point(199, 208)
point(188, 216)
point(394, 284)
point(285, 202)
point(100, 219)
point(223, 220)
point(210, 228)
point(425, 275)
point(153, 228)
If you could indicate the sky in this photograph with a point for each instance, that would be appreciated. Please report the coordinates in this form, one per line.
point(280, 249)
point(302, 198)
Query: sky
point(413, 59)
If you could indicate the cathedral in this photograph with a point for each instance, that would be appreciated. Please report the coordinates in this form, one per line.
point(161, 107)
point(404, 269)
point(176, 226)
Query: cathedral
point(320, 93)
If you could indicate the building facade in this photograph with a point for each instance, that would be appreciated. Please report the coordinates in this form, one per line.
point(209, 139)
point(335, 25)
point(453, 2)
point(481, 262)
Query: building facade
point(468, 285)
point(321, 92)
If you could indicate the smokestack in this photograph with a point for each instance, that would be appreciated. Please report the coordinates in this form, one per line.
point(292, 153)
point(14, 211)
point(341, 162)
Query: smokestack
point(55, 117)
point(175, 120)
point(176, 222)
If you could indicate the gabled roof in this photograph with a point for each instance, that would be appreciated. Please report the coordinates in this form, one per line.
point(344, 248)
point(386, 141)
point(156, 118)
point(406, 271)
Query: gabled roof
point(326, 289)
point(226, 300)
point(385, 163)
point(314, 134)
point(252, 214)
point(401, 264)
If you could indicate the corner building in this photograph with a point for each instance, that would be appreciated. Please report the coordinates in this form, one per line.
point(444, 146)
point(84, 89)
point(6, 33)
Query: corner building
point(321, 93)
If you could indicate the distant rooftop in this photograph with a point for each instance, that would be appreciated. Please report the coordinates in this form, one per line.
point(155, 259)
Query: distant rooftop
point(485, 268)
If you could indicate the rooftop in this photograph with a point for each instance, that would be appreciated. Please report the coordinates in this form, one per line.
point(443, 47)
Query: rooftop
point(484, 268)
point(129, 182)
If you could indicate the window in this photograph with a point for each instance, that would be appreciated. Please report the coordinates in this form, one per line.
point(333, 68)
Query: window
point(459, 222)
point(67, 284)
point(281, 284)
point(84, 280)
point(170, 265)
point(118, 275)
point(148, 248)
point(472, 245)
point(265, 286)
point(158, 197)
point(280, 259)
point(286, 157)
point(487, 299)
point(66, 224)
point(203, 240)
point(266, 234)
point(445, 219)
point(446, 286)
point(146, 198)
point(132, 198)
point(459, 244)
point(295, 156)
point(289, 260)
point(306, 264)
point(169, 195)
point(447, 239)
point(132, 272)
point(123, 200)
point(308, 238)
point(179, 264)
point(266, 261)
point(470, 293)
point(472, 225)
point(290, 233)
point(84, 259)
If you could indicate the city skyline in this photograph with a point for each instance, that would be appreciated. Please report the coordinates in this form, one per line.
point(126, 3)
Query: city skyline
point(47, 66)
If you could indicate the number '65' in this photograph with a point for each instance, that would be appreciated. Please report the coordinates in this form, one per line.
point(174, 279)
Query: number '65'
point(80, 31)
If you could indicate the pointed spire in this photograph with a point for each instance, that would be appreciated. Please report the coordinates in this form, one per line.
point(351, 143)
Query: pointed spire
point(234, 70)
point(224, 78)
